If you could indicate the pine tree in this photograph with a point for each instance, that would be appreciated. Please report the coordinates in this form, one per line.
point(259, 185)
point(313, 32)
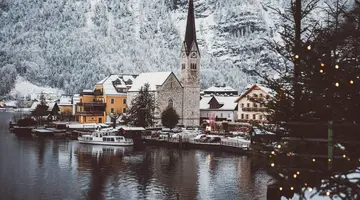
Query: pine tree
point(169, 117)
point(141, 112)
point(41, 109)
point(328, 62)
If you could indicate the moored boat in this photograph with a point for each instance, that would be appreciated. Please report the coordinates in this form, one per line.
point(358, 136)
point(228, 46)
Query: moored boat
point(99, 138)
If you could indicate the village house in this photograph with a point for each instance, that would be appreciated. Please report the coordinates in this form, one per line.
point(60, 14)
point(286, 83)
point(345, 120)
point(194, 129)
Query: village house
point(218, 108)
point(65, 104)
point(108, 97)
point(182, 94)
point(220, 90)
point(249, 110)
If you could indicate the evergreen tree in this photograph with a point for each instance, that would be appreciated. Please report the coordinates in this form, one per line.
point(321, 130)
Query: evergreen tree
point(41, 109)
point(169, 117)
point(141, 112)
point(328, 63)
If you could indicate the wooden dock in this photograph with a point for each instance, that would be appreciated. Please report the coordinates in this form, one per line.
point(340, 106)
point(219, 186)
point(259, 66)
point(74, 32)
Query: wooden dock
point(186, 143)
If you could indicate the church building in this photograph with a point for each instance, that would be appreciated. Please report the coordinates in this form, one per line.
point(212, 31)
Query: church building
point(183, 93)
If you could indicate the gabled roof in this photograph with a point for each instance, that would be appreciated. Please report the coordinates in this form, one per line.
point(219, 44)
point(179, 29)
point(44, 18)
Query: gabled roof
point(152, 78)
point(123, 81)
point(250, 88)
point(228, 103)
point(65, 100)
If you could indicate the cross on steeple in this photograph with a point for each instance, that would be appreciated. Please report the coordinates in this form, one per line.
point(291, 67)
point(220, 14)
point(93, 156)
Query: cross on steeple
point(190, 34)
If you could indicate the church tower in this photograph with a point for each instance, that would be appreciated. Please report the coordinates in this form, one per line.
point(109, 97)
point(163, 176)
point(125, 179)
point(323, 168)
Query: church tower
point(190, 72)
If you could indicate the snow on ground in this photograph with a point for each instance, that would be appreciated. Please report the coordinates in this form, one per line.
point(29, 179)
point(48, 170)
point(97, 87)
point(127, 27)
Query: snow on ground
point(24, 88)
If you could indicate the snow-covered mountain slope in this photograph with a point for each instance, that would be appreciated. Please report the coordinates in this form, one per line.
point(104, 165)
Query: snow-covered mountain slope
point(24, 88)
point(72, 44)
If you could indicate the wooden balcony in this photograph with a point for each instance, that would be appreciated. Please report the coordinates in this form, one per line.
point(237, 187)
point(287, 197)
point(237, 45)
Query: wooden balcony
point(254, 109)
point(92, 104)
point(90, 113)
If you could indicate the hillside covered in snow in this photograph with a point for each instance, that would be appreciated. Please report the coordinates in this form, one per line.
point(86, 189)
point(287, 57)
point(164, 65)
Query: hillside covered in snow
point(72, 44)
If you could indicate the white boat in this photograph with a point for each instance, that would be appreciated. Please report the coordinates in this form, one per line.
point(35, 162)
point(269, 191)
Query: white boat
point(99, 138)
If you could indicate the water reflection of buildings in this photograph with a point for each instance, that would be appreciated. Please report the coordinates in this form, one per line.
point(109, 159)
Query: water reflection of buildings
point(177, 171)
point(98, 163)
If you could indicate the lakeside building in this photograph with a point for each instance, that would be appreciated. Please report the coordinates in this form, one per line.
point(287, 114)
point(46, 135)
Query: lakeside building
point(249, 110)
point(108, 97)
point(182, 94)
point(66, 104)
point(220, 90)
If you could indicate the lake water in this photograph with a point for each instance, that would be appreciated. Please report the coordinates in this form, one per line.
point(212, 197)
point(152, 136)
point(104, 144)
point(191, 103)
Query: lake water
point(54, 169)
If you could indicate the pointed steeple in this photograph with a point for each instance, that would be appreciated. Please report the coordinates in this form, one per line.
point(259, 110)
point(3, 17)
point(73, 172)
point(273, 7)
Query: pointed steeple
point(190, 34)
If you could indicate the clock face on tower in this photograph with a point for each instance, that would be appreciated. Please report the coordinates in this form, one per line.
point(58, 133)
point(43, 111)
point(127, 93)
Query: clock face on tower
point(193, 54)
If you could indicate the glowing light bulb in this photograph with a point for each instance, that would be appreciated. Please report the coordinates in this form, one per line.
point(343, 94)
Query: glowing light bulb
point(337, 84)
point(294, 176)
point(297, 56)
point(291, 188)
point(273, 152)
point(313, 160)
point(310, 189)
point(297, 172)
point(322, 65)
point(327, 193)
point(272, 164)
point(305, 184)
point(358, 77)
point(344, 156)
point(321, 71)
point(329, 160)
point(336, 66)
point(279, 146)
point(351, 82)
point(280, 188)
point(309, 47)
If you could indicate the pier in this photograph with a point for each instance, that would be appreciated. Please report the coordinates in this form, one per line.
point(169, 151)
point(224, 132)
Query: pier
point(186, 143)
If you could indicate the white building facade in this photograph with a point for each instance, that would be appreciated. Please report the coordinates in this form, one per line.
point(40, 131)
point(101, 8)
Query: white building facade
point(249, 110)
point(220, 108)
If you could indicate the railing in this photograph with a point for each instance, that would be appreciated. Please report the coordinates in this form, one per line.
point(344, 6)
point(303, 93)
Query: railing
point(187, 140)
point(90, 113)
point(92, 104)
point(254, 109)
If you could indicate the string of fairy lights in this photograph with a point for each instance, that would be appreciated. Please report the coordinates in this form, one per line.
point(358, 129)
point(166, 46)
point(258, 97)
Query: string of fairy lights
point(296, 174)
point(337, 66)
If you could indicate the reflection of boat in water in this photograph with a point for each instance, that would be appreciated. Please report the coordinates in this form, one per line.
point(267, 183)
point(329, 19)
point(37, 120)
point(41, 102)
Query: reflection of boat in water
point(105, 150)
point(99, 138)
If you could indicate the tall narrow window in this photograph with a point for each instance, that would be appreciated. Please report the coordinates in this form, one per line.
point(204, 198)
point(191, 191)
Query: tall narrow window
point(112, 101)
point(124, 110)
point(170, 104)
point(242, 116)
point(248, 105)
point(124, 101)
point(183, 66)
point(254, 116)
point(112, 110)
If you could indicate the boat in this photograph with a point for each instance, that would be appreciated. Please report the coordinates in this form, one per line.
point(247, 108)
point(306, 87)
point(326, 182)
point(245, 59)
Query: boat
point(22, 131)
point(99, 138)
point(42, 132)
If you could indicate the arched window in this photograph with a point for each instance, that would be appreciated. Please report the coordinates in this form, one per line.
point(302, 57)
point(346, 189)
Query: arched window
point(170, 104)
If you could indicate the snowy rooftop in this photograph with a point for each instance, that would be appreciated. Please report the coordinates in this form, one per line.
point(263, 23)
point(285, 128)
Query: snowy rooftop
point(228, 102)
point(153, 78)
point(122, 82)
point(248, 88)
point(65, 100)
point(220, 89)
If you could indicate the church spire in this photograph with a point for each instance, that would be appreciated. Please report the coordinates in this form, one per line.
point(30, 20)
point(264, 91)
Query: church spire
point(190, 34)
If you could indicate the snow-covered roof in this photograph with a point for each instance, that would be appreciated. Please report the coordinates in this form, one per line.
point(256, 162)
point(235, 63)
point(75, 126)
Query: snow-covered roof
point(51, 106)
point(87, 90)
point(249, 88)
point(153, 78)
point(36, 103)
point(123, 81)
point(220, 89)
point(228, 102)
point(65, 100)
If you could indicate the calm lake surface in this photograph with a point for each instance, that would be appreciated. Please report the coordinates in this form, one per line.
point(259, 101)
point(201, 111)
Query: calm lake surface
point(64, 169)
